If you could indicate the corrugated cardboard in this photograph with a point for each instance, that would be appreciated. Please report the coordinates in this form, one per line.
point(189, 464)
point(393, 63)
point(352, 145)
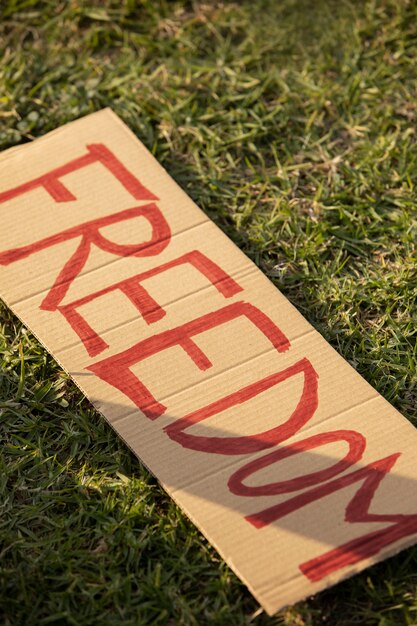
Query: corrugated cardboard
point(295, 469)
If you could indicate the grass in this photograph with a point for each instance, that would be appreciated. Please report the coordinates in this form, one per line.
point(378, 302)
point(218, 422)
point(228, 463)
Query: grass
point(292, 125)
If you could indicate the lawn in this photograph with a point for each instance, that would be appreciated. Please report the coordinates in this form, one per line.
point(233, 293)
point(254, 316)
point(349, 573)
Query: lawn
point(292, 124)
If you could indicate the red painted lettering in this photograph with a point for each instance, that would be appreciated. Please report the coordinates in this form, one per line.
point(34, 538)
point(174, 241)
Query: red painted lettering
point(357, 511)
point(355, 440)
point(96, 153)
point(115, 369)
point(145, 304)
point(252, 443)
point(90, 235)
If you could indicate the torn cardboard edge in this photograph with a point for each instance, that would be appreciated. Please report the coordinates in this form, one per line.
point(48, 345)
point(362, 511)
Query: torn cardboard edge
point(256, 427)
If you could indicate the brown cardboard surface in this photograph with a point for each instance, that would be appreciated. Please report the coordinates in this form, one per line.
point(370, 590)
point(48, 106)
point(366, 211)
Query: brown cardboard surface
point(296, 470)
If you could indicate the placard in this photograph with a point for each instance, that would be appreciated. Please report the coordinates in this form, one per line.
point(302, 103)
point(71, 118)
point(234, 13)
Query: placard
point(294, 468)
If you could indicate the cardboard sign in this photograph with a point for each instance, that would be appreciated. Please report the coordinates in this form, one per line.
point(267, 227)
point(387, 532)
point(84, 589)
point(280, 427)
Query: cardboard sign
point(296, 470)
